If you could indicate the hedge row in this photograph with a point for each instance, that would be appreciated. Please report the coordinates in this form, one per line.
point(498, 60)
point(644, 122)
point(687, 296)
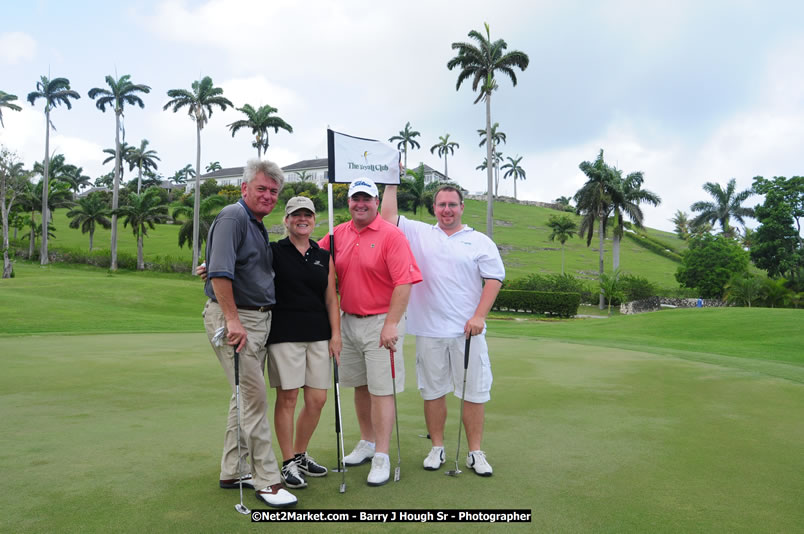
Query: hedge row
point(654, 246)
point(552, 303)
point(102, 258)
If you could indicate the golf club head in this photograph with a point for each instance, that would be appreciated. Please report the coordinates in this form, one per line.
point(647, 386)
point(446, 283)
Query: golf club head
point(342, 488)
point(425, 436)
point(242, 509)
point(339, 470)
point(455, 472)
point(396, 474)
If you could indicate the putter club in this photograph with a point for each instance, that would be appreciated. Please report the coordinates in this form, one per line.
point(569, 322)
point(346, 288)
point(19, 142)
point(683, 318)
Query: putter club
point(396, 417)
point(239, 507)
point(339, 438)
point(425, 436)
point(457, 471)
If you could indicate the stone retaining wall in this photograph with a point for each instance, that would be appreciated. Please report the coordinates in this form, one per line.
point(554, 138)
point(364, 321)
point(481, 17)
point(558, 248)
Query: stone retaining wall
point(656, 303)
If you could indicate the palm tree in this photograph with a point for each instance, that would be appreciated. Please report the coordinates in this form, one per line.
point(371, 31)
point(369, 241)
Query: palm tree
point(141, 212)
point(304, 176)
point(562, 228)
point(214, 166)
point(90, 211)
point(514, 170)
point(260, 120)
point(627, 205)
point(58, 196)
point(143, 159)
point(209, 208)
point(481, 63)
point(727, 204)
point(125, 152)
point(682, 224)
point(121, 92)
point(6, 101)
point(181, 175)
point(444, 147)
point(199, 103)
point(415, 187)
point(405, 138)
point(76, 178)
point(497, 137)
point(611, 287)
point(594, 202)
point(54, 92)
point(744, 289)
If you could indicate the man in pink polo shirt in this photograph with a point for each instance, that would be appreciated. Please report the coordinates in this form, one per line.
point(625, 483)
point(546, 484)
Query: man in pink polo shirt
point(376, 270)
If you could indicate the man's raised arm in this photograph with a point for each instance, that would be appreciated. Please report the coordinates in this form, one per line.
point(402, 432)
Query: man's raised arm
point(388, 208)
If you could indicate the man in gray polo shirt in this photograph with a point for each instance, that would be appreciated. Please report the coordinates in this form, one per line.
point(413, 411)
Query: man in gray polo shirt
point(241, 294)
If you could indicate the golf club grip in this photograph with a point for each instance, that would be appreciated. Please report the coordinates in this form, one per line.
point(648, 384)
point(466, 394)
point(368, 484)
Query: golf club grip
point(466, 353)
point(393, 371)
point(237, 367)
point(337, 411)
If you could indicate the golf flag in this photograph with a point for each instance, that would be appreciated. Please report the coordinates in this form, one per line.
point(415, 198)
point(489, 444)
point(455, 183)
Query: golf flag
point(355, 157)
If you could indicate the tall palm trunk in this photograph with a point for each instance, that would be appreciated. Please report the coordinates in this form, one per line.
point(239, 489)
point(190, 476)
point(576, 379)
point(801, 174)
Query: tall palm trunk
point(32, 241)
point(446, 176)
point(139, 178)
point(45, 188)
point(197, 201)
point(91, 235)
point(562, 258)
point(489, 172)
point(140, 261)
point(600, 262)
point(615, 251)
point(115, 187)
point(514, 187)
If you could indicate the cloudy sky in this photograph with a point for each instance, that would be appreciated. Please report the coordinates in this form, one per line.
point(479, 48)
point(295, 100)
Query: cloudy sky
point(687, 92)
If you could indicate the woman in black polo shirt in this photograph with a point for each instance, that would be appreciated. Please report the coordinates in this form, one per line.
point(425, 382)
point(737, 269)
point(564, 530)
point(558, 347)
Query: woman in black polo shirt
point(305, 333)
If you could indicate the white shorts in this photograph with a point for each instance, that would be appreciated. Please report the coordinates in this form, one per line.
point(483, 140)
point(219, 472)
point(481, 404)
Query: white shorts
point(292, 365)
point(439, 367)
point(363, 361)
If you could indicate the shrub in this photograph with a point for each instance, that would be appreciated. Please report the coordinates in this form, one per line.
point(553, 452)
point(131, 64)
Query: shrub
point(636, 287)
point(710, 263)
point(552, 303)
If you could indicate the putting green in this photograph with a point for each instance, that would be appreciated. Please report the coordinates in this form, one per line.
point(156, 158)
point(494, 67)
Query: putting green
point(123, 433)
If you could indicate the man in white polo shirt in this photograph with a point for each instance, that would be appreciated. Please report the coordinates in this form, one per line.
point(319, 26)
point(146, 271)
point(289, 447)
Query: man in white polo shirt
point(462, 274)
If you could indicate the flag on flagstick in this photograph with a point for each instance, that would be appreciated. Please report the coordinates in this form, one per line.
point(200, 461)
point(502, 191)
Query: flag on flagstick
point(353, 157)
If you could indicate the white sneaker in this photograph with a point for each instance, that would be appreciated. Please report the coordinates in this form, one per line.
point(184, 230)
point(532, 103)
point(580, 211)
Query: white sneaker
point(276, 496)
point(434, 459)
point(477, 460)
point(362, 453)
point(380, 470)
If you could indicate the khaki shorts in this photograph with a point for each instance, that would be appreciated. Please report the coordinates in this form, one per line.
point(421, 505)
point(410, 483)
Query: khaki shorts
point(293, 365)
point(439, 367)
point(363, 361)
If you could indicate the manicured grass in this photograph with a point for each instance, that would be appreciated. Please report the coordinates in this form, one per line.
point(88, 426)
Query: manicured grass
point(684, 420)
point(81, 299)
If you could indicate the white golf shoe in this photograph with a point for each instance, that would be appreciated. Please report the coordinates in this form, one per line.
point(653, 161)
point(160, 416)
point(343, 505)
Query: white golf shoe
point(362, 453)
point(477, 460)
point(380, 470)
point(276, 496)
point(434, 459)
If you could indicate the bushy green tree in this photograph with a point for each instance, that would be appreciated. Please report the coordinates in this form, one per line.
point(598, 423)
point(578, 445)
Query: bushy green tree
point(777, 244)
point(209, 188)
point(709, 263)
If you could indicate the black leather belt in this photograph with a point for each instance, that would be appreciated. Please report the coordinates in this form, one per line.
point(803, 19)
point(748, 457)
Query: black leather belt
point(364, 316)
point(256, 308)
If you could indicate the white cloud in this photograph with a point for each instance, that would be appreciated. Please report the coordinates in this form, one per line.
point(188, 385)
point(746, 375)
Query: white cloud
point(16, 47)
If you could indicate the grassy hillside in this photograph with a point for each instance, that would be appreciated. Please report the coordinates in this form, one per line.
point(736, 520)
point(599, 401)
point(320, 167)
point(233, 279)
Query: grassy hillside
point(521, 232)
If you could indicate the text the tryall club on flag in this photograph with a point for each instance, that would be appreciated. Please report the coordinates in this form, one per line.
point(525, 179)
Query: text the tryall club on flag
point(353, 157)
